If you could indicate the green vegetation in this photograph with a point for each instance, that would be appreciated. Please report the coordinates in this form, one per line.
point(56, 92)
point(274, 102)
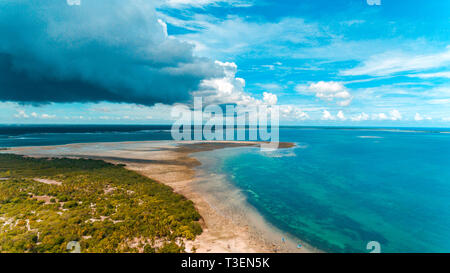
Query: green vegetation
point(104, 207)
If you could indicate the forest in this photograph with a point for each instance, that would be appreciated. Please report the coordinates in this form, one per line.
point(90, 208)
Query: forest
point(45, 203)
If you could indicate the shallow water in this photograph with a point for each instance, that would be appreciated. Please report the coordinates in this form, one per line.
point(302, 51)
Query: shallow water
point(340, 189)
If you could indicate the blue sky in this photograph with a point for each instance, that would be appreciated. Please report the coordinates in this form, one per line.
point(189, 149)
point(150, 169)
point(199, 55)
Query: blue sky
point(335, 62)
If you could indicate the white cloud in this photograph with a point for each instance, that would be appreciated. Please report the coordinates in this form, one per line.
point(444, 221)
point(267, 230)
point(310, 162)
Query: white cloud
point(444, 74)
point(395, 62)
point(270, 98)
point(380, 116)
point(217, 38)
point(327, 115)
point(230, 89)
point(204, 3)
point(419, 117)
point(328, 91)
point(360, 117)
point(393, 115)
point(300, 115)
point(293, 113)
point(21, 114)
point(47, 116)
point(164, 26)
point(340, 115)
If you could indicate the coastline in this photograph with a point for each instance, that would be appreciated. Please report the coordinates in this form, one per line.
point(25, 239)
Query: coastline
point(175, 164)
point(227, 200)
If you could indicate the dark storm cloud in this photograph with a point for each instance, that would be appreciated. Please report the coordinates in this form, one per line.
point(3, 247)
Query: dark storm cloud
point(102, 50)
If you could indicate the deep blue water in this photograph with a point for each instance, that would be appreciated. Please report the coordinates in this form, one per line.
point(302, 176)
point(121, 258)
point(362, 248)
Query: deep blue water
point(42, 135)
point(338, 190)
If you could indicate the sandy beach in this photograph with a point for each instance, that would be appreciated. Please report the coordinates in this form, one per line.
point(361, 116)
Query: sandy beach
point(174, 164)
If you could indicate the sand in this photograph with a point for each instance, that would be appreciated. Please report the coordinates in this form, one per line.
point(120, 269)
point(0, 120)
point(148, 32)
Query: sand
point(172, 163)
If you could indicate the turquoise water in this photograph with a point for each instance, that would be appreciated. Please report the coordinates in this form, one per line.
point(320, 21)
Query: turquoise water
point(340, 189)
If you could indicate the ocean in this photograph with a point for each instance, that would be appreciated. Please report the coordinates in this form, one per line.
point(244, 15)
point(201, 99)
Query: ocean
point(43, 135)
point(337, 190)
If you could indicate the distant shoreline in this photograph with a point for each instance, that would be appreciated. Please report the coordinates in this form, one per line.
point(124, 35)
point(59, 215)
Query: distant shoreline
point(172, 163)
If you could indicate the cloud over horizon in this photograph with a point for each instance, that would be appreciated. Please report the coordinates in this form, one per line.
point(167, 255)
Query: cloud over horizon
point(102, 50)
point(327, 91)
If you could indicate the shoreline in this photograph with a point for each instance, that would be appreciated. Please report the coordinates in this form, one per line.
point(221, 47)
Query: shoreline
point(229, 201)
point(175, 164)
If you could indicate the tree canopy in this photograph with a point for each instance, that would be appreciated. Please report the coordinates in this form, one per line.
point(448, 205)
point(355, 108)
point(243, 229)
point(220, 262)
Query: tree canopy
point(104, 207)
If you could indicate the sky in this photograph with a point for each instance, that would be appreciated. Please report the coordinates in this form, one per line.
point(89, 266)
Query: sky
point(323, 62)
